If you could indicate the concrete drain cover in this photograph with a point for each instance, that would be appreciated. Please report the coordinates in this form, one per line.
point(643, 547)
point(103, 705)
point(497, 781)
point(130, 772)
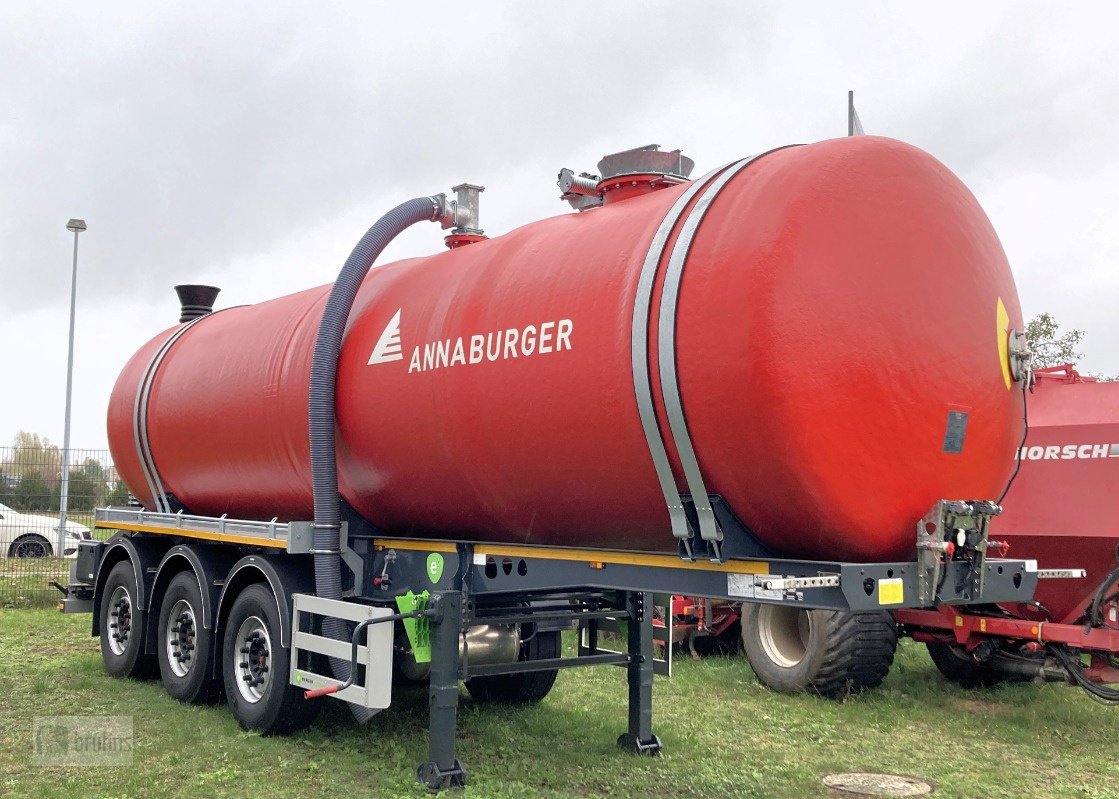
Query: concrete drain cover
point(862, 784)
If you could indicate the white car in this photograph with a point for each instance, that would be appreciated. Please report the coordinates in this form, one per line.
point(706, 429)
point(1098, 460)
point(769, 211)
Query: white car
point(28, 535)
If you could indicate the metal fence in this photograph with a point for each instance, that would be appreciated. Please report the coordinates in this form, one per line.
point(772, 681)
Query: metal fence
point(34, 550)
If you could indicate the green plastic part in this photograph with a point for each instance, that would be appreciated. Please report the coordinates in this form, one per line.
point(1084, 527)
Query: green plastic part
point(419, 630)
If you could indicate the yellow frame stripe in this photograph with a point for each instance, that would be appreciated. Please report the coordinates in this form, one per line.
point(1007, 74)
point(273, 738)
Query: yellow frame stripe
point(585, 555)
point(230, 538)
point(494, 550)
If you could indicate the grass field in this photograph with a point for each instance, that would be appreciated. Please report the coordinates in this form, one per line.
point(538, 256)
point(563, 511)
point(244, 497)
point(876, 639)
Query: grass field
point(724, 735)
point(24, 582)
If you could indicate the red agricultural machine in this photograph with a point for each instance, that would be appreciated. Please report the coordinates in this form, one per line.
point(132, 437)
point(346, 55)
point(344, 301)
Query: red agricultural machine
point(1061, 511)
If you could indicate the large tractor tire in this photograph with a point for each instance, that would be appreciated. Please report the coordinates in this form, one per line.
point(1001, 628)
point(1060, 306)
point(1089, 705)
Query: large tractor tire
point(831, 653)
point(961, 668)
point(526, 687)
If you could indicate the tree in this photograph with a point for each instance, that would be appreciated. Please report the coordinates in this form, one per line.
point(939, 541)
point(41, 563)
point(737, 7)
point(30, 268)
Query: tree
point(33, 454)
point(86, 489)
point(1051, 347)
point(117, 495)
point(32, 493)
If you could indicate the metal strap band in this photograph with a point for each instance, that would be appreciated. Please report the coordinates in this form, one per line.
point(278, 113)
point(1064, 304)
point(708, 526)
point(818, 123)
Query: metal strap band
point(639, 351)
point(140, 419)
point(666, 351)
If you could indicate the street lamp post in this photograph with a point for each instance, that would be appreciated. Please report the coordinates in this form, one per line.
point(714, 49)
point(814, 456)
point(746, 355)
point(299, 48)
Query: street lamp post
point(77, 226)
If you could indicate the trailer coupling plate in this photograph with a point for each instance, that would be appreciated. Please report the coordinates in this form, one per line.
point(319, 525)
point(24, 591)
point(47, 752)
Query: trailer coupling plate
point(953, 532)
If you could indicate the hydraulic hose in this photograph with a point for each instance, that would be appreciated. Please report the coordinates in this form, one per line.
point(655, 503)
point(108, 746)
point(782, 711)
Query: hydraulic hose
point(324, 372)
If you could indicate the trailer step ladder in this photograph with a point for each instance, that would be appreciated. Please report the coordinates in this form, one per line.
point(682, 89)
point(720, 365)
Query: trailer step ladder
point(375, 654)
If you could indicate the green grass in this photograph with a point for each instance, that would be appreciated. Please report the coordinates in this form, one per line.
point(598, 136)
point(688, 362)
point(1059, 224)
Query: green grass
point(24, 582)
point(724, 735)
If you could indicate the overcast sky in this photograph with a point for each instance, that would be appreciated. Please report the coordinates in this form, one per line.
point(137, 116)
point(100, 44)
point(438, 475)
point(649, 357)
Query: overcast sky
point(250, 145)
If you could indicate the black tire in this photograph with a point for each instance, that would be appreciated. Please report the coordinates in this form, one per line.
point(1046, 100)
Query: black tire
point(831, 653)
point(184, 647)
point(122, 626)
point(30, 545)
point(272, 707)
point(520, 689)
point(959, 667)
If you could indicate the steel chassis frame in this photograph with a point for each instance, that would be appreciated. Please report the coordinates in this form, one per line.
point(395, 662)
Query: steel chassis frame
point(480, 583)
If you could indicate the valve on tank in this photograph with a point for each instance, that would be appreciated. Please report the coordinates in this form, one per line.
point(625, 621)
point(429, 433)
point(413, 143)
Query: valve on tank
point(462, 215)
point(625, 174)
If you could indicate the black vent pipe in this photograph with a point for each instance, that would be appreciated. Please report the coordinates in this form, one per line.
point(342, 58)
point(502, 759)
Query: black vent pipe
point(196, 301)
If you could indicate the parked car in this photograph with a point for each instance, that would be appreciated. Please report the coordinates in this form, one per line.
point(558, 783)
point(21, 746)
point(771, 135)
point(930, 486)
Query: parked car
point(29, 535)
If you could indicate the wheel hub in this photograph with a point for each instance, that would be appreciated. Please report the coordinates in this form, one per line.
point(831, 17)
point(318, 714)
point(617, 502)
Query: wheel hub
point(180, 638)
point(253, 659)
point(120, 620)
point(784, 633)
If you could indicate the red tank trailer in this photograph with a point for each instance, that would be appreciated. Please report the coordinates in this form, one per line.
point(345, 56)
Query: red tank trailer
point(753, 385)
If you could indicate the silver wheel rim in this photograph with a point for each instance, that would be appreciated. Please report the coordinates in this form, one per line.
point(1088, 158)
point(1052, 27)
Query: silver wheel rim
point(784, 633)
point(179, 638)
point(252, 659)
point(120, 620)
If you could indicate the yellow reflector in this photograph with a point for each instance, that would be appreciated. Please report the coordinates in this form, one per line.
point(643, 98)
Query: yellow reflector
point(1002, 329)
point(891, 592)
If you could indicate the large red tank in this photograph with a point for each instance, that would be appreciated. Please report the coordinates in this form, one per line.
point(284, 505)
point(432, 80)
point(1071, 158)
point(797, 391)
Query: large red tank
point(842, 301)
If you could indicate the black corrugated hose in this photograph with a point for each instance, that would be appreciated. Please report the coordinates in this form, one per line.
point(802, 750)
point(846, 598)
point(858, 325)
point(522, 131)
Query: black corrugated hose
point(324, 371)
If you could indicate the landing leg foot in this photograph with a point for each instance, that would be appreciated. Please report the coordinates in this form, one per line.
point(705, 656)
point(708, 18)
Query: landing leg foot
point(435, 779)
point(631, 743)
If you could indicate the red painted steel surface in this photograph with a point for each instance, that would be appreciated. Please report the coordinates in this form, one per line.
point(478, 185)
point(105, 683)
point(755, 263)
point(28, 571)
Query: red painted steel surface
point(839, 301)
point(1063, 508)
point(969, 630)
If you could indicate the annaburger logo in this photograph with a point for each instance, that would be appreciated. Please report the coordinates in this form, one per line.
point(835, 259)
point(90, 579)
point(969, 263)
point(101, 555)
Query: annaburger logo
point(388, 345)
point(513, 342)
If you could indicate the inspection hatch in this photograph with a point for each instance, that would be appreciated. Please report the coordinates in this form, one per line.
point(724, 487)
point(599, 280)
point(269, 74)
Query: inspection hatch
point(863, 784)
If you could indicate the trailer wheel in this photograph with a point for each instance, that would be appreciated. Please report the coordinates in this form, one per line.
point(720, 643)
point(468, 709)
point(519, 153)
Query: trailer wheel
point(255, 668)
point(958, 666)
point(185, 647)
point(122, 626)
point(830, 653)
point(524, 688)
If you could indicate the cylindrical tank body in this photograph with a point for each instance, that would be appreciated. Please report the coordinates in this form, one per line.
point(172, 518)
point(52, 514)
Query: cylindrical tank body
point(841, 304)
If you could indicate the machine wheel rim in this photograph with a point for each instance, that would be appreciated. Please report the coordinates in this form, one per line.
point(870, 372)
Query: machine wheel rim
point(784, 634)
point(31, 548)
point(179, 638)
point(120, 620)
point(252, 658)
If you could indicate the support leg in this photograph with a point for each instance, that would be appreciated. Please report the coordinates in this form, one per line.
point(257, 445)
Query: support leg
point(442, 770)
point(639, 738)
